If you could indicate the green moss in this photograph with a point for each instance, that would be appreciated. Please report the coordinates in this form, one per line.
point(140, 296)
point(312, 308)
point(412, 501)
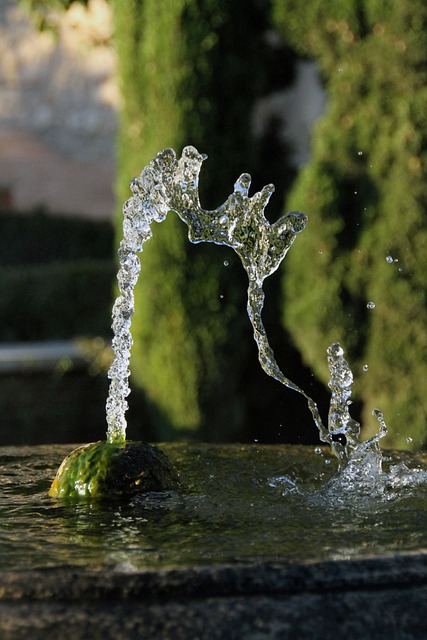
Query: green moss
point(103, 470)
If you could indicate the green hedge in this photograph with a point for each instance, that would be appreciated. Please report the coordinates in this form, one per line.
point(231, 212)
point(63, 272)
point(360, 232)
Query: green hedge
point(52, 407)
point(56, 282)
point(364, 191)
point(56, 301)
point(56, 277)
point(39, 238)
point(62, 407)
point(191, 73)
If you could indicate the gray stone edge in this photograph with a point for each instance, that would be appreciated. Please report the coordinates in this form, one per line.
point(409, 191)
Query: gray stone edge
point(392, 572)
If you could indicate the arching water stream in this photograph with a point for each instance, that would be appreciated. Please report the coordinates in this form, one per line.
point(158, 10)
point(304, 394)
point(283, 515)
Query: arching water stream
point(171, 184)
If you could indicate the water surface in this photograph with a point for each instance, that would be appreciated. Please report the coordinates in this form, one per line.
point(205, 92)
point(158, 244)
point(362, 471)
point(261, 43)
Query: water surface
point(240, 504)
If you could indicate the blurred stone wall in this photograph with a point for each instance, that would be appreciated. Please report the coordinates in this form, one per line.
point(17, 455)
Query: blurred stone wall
point(59, 101)
point(58, 110)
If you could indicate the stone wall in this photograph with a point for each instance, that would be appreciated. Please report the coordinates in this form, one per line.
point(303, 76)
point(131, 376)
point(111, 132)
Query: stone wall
point(58, 110)
point(59, 101)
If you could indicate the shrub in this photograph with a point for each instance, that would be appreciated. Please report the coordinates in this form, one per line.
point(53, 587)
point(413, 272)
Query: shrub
point(190, 74)
point(56, 277)
point(56, 301)
point(365, 193)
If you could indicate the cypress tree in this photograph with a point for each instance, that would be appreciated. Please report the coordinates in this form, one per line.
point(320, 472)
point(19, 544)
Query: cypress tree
point(365, 193)
point(190, 73)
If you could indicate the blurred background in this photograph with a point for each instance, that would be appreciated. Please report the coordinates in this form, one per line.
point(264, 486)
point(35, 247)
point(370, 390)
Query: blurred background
point(325, 100)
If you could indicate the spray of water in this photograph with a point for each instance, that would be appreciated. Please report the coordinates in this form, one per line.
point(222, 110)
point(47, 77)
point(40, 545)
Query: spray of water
point(171, 184)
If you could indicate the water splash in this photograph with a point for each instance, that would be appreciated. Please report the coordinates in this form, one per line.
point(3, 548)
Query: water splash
point(168, 183)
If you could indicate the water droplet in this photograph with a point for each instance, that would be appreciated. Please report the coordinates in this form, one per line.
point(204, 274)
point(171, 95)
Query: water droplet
point(370, 305)
point(360, 153)
point(226, 263)
point(186, 200)
point(221, 295)
point(389, 259)
point(365, 367)
point(335, 350)
point(327, 461)
point(409, 439)
point(317, 450)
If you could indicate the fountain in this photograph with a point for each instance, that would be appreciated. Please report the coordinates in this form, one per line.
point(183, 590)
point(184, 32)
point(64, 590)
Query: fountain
point(168, 184)
point(248, 541)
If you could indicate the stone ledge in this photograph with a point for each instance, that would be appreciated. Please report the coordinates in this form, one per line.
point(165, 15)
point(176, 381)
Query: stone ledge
point(378, 597)
point(39, 356)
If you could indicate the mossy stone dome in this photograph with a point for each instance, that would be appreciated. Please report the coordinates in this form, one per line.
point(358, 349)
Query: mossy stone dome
point(104, 470)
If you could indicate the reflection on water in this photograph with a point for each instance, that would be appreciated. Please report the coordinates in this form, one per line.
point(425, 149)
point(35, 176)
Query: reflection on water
point(241, 504)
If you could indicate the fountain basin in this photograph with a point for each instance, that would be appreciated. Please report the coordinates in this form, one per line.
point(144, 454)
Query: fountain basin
point(250, 548)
